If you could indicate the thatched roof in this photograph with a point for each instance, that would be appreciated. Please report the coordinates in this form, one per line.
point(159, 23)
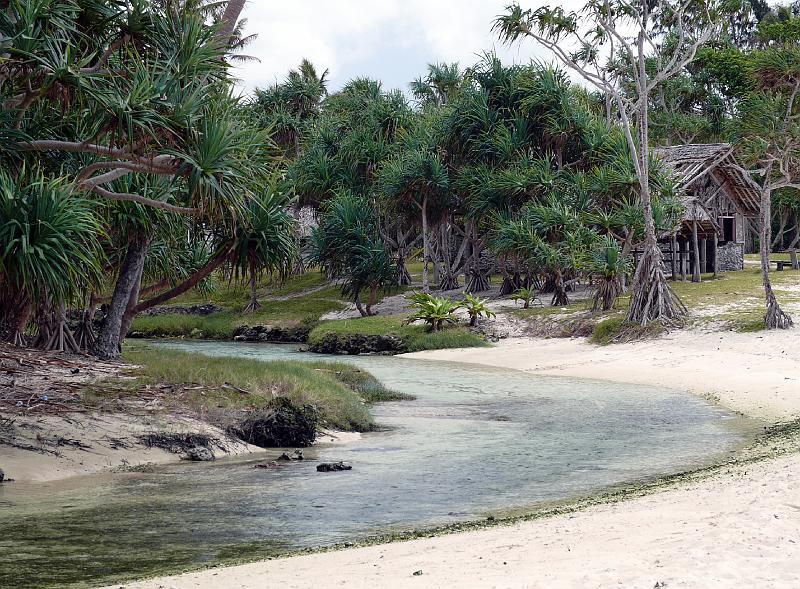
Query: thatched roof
point(695, 162)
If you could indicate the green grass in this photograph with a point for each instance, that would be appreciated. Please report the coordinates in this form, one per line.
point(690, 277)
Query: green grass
point(290, 312)
point(737, 298)
point(414, 337)
point(339, 391)
point(618, 329)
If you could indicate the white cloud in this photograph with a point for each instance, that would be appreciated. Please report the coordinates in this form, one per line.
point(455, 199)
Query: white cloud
point(391, 40)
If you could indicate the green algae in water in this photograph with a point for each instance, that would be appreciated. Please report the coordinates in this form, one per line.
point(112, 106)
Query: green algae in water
point(90, 547)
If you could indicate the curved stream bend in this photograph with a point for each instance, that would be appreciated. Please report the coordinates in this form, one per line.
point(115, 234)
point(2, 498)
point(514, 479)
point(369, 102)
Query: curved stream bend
point(477, 440)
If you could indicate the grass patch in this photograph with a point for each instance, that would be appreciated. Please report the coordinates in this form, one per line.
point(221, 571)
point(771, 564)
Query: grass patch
point(619, 329)
point(210, 385)
point(220, 326)
point(414, 337)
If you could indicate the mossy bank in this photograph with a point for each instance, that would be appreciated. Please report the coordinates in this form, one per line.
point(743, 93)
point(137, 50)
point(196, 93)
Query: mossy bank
point(211, 386)
point(386, 335)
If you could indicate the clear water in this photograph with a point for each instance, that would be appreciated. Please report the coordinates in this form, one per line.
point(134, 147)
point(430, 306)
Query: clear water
point(476, 441)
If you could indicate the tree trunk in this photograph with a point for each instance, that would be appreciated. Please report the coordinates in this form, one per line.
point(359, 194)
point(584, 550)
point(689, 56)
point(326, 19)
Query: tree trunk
point(652, 299)
point(253, 305)
point(774, 318)
point(229, 19)
point(108, 342)
point(696, 254)
point(425, 246)
point(15, 314)
point(359, 306)
point(373, 297)
point(560, 298)
point(219, 258)
point(130, 310)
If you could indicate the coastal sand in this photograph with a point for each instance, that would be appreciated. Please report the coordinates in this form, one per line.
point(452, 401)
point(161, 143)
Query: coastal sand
point(739, 528)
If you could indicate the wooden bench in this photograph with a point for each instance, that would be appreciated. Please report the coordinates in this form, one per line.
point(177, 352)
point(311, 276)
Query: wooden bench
point(791, 264)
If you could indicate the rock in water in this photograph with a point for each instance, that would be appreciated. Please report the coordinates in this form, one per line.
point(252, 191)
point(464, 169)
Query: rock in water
point(199, 454)
point(333, 466)
point(2, 475)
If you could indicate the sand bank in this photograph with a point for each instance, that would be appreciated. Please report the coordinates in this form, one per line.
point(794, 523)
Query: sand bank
point(738, 528)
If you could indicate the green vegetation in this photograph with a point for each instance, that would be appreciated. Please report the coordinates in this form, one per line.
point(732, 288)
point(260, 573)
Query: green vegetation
point(476, 308)
point(155, 182)
point(619, 329)
point(434, 311)
point(347, 246)
point(210, 385)
point(414, 337)
point(526, 296)
point(284, 305)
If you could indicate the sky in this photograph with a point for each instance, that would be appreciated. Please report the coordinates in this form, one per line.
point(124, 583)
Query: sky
point(391, 40)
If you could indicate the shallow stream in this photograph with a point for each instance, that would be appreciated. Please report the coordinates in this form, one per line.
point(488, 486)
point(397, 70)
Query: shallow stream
point(476, 441)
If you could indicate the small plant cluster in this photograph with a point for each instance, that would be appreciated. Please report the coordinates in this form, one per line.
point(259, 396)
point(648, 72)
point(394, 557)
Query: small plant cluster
point(438, 311)
point(526, 296)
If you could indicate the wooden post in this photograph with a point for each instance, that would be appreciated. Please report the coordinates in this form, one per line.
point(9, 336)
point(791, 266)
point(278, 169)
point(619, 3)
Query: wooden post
point(714, 252)
point(793, 259)
point(703, 255)
point(684, 257)
point(673, 245)
point(695, 254)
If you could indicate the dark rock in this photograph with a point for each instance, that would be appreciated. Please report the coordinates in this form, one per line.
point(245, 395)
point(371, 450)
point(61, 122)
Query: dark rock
point(356, 344)
point(205, 309)
point(270, 464)
point(199, 454)
point(333, 466)
point(2, 475)
point(275, 334)
point(279, 424)
point(296, 455)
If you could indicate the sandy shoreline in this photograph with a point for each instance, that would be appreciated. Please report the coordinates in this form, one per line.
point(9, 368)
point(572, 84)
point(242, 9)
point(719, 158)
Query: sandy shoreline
point(740, 527)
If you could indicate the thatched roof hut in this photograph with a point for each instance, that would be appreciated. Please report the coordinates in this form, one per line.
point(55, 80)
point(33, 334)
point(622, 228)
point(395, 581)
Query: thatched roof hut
point(719, 197)
point(699, 167)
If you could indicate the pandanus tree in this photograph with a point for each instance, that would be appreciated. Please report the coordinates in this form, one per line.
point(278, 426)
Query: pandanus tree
point(416, 175)
point(768, 131)
point(655, 41)
point(289, 108)
point(346, 246)
point(266, 244)
point(102, 92)
point(608, 266)
point(553, 240)
point(50, 253)
point(439, 86)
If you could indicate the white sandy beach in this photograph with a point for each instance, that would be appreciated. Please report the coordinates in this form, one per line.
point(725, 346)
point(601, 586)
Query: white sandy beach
point(739, 528)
